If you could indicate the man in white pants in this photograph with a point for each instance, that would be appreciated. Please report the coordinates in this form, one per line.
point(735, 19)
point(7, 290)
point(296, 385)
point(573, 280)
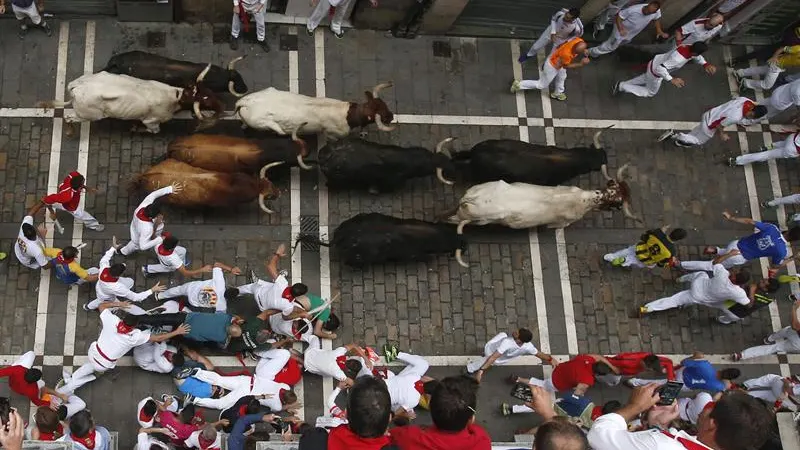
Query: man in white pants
point(784, 57)
point(148, 222)
point(733, 112)
point(111, 285)
point(787, 148)
point(333, 363)
point(29, 9)
point(785, 340)
point(275, 396)
point(118, 337)
point(699, 30)
point(240, 10)
point(403, 387)
point(68, 198)
point(775, 390)
point(154, 357)
point(711, 292)
point(660, 67)
point(172, 258)
point(608, 14)
point(323, 7)
point(793, 199)
point(564, 25)
point(502, 349)
point(277, 295)
point(29, 246)
point(212, 293)
point(782, 98)
point(555, 67)
point(628, 23)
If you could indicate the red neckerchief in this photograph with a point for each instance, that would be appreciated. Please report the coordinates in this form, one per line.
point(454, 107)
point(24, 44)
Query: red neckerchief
point(747, 107)
point(287, 294)
point(204, 443)
point(106, 276)
point(380, 372)
point(340, 361)
point(141, 216)
point(122, 328)
point(418, 386)
point(87, 441)
point(44, 436)
point(242, 410)
point(686, 443)
point(144, 417)
point(685, 51)
point(164, 252)
point(61, 260)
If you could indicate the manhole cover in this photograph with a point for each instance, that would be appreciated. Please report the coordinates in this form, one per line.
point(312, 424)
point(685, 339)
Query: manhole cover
point(442, 49)
point(156, 39)
point(288, 42)
point(309, 226)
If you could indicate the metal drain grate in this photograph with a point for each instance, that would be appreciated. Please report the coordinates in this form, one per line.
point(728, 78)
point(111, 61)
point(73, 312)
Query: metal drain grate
point(288, 42)
point(309, 226)
point(156, 39)
point(442, 49)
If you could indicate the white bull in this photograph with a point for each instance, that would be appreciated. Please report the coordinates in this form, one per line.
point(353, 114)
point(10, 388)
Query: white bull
point(285, 112)
point(104, 95)
point(522, 205)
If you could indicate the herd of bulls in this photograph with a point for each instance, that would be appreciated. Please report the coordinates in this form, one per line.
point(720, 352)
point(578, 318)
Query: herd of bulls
point(520, 183)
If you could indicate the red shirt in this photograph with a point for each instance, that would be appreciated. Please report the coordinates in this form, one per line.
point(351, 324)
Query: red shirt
point(182, 430)
point(412, 437)
point(68, 197)
point(17, 383)
point(577, 370)
point(631, 363)
point(341, 438)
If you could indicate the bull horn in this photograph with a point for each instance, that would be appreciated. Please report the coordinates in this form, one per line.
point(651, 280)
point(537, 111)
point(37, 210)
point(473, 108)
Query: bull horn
point(460, 227)
point(460, 260)
point(621, 171)
point(197, 112)
point(297, 139)
point(262, 205)
point(234, 61)
point(626, 209)
point(440, 176)
point(440, 146)
point(379, 87)
point(202, 75)
point(263, 173)
point(596, 140)
point(381, 126)
point(604, 171)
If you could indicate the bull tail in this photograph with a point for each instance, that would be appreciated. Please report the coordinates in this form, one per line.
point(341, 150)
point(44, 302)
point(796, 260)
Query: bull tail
point(53, 104)
point(311, 239)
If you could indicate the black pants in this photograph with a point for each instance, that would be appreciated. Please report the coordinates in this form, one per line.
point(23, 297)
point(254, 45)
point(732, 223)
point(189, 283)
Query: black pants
point(161, 320)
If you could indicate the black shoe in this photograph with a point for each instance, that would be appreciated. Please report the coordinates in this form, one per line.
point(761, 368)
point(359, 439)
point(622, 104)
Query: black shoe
point(309, 32)
point(234, 43)
point(615, 89)
point(731, 161)
point(264, 45)
point(23, 30)
point(339, 35)
point(47, 30)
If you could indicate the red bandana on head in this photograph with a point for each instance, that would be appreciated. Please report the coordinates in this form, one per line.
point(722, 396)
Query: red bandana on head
point(87, 441)
point(142, 216)
point(747, 107)
point(106, 276)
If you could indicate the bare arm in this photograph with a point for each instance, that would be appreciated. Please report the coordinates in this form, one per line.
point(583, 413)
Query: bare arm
point(659, 30)
point(106, 305)
point(227, 268)
point(194, 273)
point(264, 315)
point(795, 321)
point(719, 259)
point(743, 220)
point(618, 23)
point(580, 389)
point(195, 356)
point(35, 209)
point(602, 359)
point(180, 331)
point(272, 263)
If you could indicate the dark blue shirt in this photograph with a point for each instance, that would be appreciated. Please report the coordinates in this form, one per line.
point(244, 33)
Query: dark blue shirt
point(236, 438)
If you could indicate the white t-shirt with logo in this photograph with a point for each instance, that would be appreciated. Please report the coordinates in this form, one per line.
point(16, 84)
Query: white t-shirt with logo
point(30, 252)
point(113, 344)
point(634, 20)
point(509, 349)
point(324, 362)
point(207, 293)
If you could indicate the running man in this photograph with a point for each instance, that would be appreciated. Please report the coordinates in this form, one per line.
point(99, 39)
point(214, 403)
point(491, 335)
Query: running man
point(555, 68)
point(783, 58)
point(501, 349)
point(733, 112)
point(782, 98)
point(655, 248)
point(112, 285)
point(148, 222)
point(277, 295)
point(172, 258)
point(785, 340)
point(628, 23)
point(68, 198)
point(787, 148)
point(564, 25)
point(660, 69)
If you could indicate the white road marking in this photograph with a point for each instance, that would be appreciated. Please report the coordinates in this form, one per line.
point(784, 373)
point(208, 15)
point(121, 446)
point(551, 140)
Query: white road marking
point(533, 236)
point(27, 112)
point(77, 228)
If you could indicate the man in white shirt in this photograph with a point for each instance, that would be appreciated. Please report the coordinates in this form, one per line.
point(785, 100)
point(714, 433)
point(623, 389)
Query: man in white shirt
point(172, 258)
point(699, 30)
point(660, 68)
point(689, 408)
point(146, 442)
point(111, 285)
point(205, 438)
point(734, 422)
point(608, 14)
point(787, 148)
point(782, 98)
point(711, 292)
point(322, 9)
point(148, 222)
point(564, 25)
point(154, 357)
point(211, 293)
point(240, 10)
point(503, 348)
point(29, 246)
point(785, 340)
point(277, 295)
point(775, 390)
point(333, 363)
point(733, 112)
point(118, 337)
point(405, 387)
point(628, 23)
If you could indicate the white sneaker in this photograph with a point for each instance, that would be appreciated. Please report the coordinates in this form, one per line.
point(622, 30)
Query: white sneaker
point(99, 227)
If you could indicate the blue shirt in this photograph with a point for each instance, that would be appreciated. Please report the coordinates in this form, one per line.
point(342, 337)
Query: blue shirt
point(767, 242)
point(236, 438)
point(208, 327)
point(700, 374)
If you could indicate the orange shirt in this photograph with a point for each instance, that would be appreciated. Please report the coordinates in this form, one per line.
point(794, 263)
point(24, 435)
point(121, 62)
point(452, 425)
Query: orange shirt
point(564, 53)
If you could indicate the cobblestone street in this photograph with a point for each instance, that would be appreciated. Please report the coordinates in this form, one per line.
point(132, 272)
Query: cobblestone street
point(551, 281)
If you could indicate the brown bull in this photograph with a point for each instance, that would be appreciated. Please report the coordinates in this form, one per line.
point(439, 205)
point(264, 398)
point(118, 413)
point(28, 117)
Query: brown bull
point(234, 154)
point(205, 188)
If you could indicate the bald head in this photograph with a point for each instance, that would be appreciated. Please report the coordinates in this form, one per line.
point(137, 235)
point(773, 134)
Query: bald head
point(579, 48)
point(560, 434)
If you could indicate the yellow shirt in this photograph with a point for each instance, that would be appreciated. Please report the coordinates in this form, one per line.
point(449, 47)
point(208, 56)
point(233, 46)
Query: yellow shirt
point(790, 57)
point(74, 267)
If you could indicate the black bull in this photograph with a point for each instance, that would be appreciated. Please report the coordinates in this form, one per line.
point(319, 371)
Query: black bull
point(516, 161)
point(353, 163)
point(147, 66)
point(375, 238)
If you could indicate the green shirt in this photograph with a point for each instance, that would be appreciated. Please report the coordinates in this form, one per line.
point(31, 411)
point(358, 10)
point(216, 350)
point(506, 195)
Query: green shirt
point(316, 302)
